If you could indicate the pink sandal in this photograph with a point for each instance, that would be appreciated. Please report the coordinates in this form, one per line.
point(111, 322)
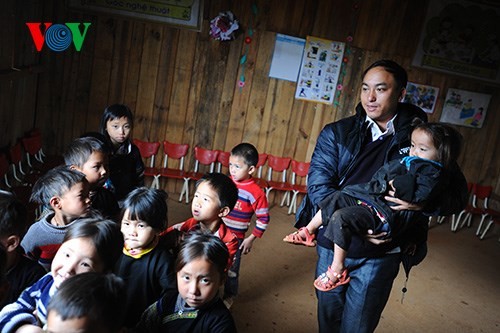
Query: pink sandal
point(295, 238)
point(325, 283)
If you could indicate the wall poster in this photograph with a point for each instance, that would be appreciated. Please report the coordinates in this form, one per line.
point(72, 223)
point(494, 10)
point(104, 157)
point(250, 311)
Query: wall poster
point(461, 37)
point(465, 108)
point(182, 13)
point(320, 69)
point(422, 96)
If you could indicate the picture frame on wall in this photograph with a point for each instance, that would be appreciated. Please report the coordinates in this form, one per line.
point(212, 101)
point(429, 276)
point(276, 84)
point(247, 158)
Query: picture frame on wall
point(465, 108)
point(185, 14)
point(421, 95)
point(461, 37)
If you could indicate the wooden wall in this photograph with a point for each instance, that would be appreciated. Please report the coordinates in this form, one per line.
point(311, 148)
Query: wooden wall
point(182, 85)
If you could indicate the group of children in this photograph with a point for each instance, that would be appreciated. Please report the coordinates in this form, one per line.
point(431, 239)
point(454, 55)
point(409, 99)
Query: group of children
point(102, 258)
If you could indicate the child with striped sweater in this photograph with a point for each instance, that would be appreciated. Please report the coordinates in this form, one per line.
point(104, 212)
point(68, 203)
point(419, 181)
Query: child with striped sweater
point(251, 200)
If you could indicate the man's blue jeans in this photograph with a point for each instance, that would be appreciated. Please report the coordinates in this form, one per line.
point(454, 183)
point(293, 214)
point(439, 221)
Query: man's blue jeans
point(358, 305)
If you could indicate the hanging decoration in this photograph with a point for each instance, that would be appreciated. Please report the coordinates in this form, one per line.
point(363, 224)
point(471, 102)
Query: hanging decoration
point(248, 40)
point(347, 54)
point(224, 27)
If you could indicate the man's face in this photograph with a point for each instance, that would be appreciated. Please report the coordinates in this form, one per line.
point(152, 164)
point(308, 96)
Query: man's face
point(380, 95)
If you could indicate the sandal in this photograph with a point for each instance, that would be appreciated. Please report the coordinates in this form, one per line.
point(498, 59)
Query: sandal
point(325, 283)
point(295, 238)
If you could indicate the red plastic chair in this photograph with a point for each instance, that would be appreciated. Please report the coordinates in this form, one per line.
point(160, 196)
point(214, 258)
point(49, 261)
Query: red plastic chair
point(280, 165)
point(176, 151)
point(260, 166)
point(35, 157)
point(299, 169)
point(478, 192)
point(33, 147)
point(223, 160)
point(16, 160)
point(149, 150)
point(22, 191)
point(204, 157)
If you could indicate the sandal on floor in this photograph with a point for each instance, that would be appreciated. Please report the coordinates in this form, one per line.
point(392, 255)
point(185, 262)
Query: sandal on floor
point(324, 283)
point(295, 238)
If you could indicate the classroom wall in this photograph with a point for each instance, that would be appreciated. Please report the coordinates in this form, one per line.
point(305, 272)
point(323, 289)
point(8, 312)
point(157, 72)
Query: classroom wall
point(183, 86)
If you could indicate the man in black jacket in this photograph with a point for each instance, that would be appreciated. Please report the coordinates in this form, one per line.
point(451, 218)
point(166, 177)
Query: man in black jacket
point(349, 151)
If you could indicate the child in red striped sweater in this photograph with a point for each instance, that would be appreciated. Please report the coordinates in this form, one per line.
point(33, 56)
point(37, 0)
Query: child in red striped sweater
point(251, 199)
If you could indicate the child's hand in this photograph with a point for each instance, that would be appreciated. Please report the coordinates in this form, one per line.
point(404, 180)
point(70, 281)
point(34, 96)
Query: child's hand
point(247, 244)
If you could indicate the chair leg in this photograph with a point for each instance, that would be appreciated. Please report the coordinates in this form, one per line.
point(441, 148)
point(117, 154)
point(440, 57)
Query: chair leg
point(286, 196)
point(21, 169)
point(454, 224)
point(466, 220)
point(293, 203)
point(283, 199)
point(486, 228)
point(156, 182)
point(185, 190)
point(483, 218)
point(6, 181)
point(268, 190)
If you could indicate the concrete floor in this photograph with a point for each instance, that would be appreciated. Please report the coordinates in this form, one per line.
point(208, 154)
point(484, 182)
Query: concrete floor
point(455, 289)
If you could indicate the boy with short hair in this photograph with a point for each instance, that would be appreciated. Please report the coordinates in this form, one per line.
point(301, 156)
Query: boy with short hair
point(251, 199)
point(66, 191)
point(214, 198)
point(90, 156)
point(88, 303)
point(20, 272)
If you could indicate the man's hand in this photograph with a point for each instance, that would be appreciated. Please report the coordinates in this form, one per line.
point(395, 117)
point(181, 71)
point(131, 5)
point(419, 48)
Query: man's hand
point(377, 239)
point(247, 244)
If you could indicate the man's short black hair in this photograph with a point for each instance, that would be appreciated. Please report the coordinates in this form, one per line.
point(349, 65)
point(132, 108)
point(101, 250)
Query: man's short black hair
point(398, 72)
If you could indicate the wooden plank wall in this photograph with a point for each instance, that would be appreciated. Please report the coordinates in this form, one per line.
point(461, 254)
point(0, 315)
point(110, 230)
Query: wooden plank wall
point(183, 86)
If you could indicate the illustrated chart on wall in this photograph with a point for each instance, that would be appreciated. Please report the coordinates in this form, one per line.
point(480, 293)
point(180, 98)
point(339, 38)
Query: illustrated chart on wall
point(320, 69)
point(465, 108)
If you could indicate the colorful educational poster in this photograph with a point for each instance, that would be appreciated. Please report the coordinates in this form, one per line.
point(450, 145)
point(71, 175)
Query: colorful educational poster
point(320, 69)
point(461, 37)
point(422, 96)
point(465, 108)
